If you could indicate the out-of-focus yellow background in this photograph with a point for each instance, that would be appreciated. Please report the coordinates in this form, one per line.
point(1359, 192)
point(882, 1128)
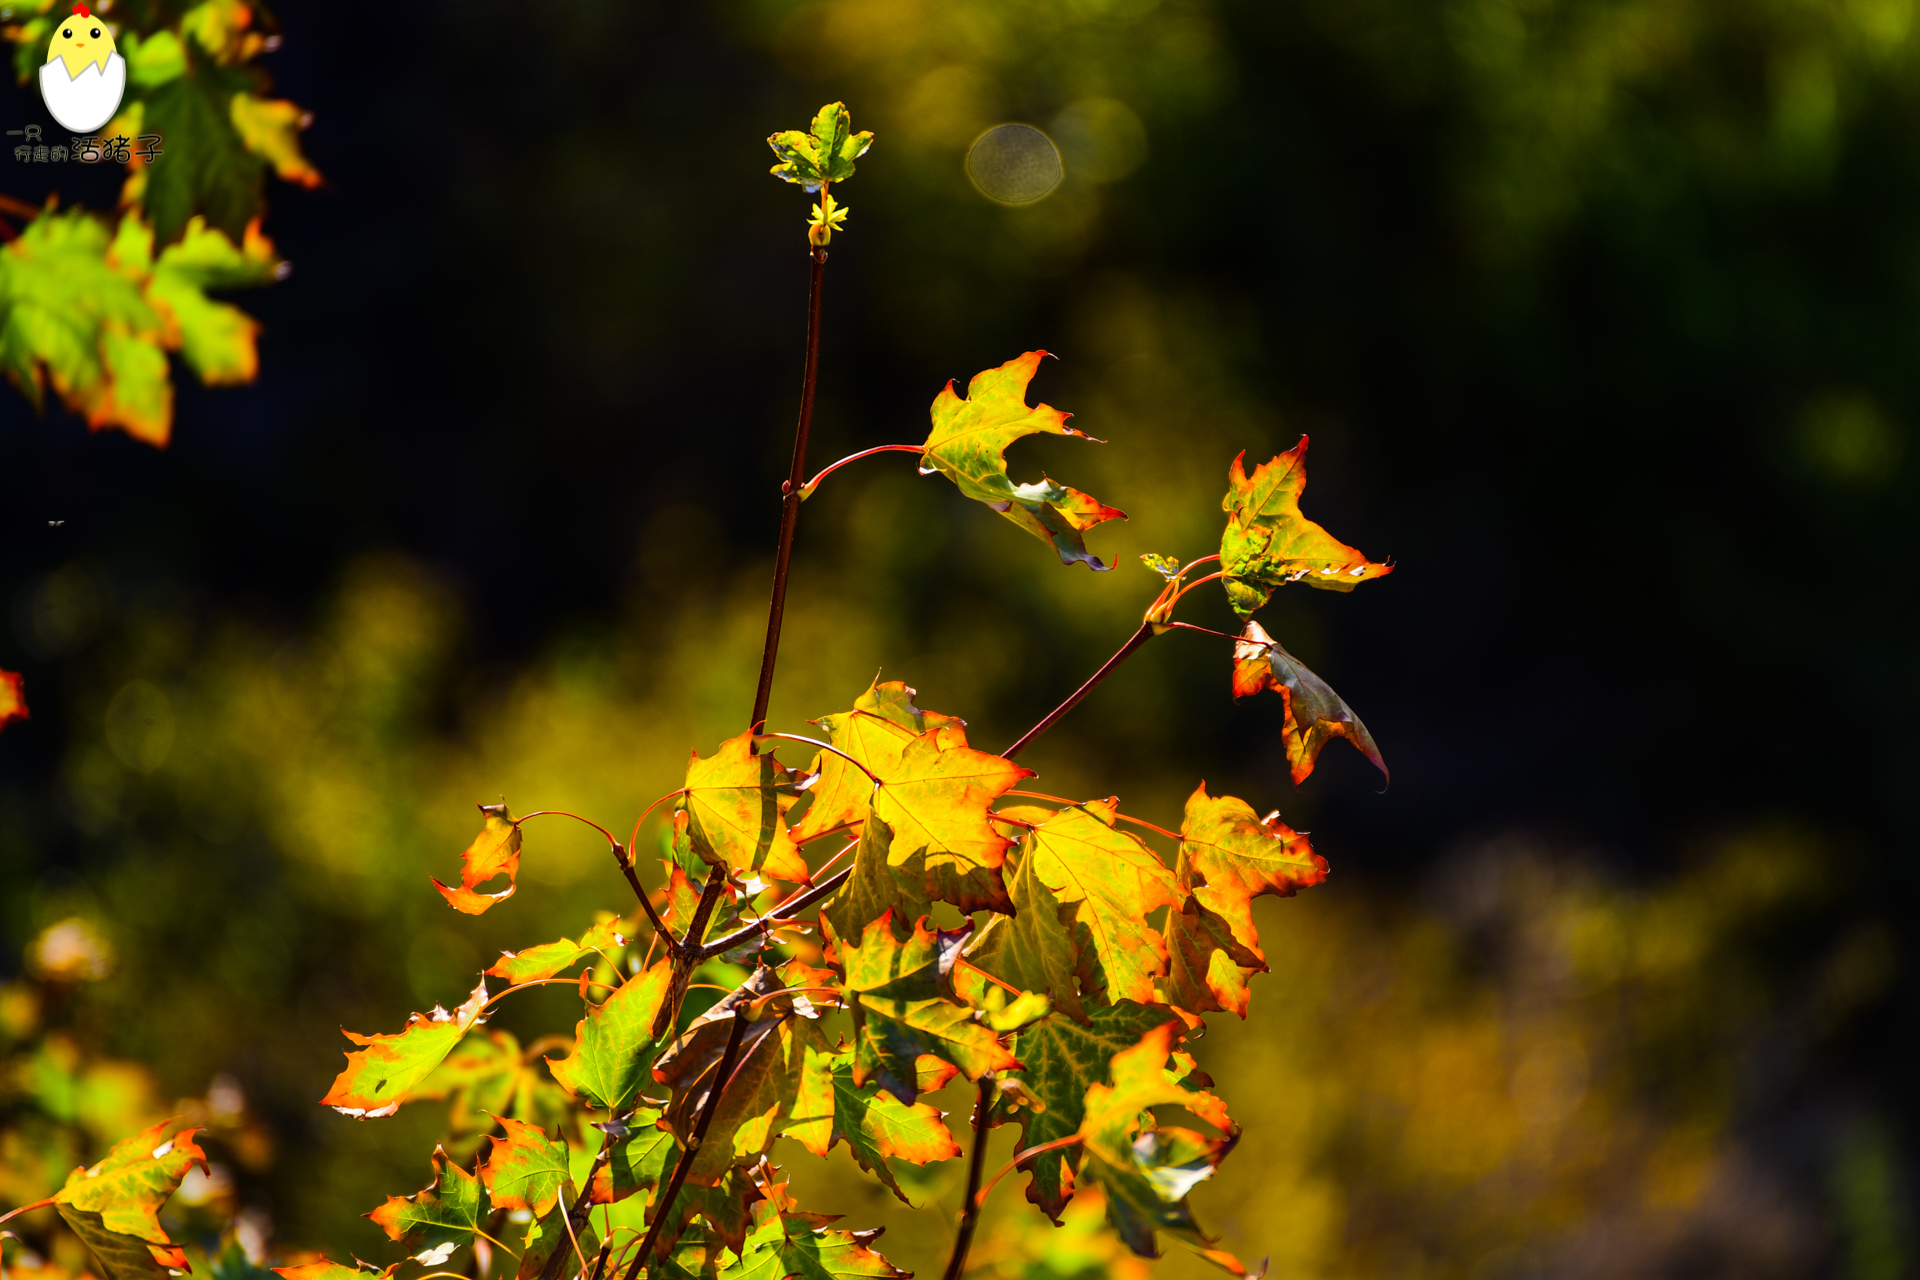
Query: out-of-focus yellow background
point(1600, 316)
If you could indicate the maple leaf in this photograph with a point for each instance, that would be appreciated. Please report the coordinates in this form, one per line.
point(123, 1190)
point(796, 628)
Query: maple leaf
point(736, 804)
point(1166, 566)
point(433, 1222)
point(1209, 967)
point(214, 173)
point(1062, 1060)
point(326, 1269)
point(1229, 856)
point(526, 1169)
point(114, 1206)
point(13, 697)
point(936, 805)
point(1147, 1173)
point(494, 852)
point(875, 1125)
point(381, 1074)
point(883, 721)
point(550, 958)
point(1268, 543)
point(873, 888)
point(900, 1010)
point(612, 1044)
point(822, 154)
point(970, 436)
point(487, 1076)
point(641, 1148)
point(1083, 892)
point(785, 1245)
point(1316, 715)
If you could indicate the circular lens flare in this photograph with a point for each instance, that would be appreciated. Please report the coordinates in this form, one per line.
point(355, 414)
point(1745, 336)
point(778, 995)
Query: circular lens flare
point(1014, 164)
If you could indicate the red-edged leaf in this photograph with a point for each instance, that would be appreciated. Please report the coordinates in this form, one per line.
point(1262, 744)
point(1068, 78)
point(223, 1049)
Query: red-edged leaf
point(1268, 542)
point(525, 1169)
point(1210, 968)
point(613, 1044)
point(379, 1076)
point(494, 852)
point(13, 697)
point(550, 958)
point(883, 721)
point(328, 1270)
point(1315, 713)
point(1229, 856)
point(115, 1205)
point(432, 1223)
point(936, 805)
point(875, 1125)
point(736, 805)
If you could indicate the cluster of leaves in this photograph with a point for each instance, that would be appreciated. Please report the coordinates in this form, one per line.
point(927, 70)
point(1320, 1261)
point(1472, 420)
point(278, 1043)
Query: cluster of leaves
point(1039, 946)
point(92, 307)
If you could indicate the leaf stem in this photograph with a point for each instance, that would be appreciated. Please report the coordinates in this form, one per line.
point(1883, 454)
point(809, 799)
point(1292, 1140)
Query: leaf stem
point(970, 1208)
point(806, 490)
point(625, 858)
point(792, 906)
point(721, 1078)
point(562, 813)
point(1140, 637)
point(25, 1208)
point(824, 746)
point(1071, 1140)
point(790, 497)
point(1124, 817)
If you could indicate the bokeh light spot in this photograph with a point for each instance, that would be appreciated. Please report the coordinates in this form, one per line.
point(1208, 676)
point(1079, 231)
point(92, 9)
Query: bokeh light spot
point(1101, 138)
point(1014, 164)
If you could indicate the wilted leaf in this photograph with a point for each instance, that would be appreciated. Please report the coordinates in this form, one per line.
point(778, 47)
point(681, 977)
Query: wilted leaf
point(494, 852)
point(435, 1221)
point(1315, 713)
point(525, 1169)
point(1229, 856)
point(970, 436)
point(1147, 1175)
point(736, 805)
point(1209, 968)
point(380, 1076)
point(115, 1205)
point(824, 153)
point(1061, 1060)
point(936, 804)
point(550, 958)
point(612, 1045)
point(13, 697)
point(901, 1012)
point(874, 1124)
point(1268, 542)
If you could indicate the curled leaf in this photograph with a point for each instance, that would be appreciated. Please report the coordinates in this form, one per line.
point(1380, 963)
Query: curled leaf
point(1267, 542)
point(494, 852)
point(1229, 856)
point(381, 1074)
point(968, 443)
point(1315, 713)
point(115, 1205)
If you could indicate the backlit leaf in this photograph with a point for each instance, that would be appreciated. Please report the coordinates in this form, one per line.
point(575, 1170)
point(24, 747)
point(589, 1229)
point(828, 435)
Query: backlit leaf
point(883, 721)
point(270, 128)
point(1229, 856)
point(612, 1045)
point(13, 697)
point(442, 1217)
point(799, 1246)
point(115, 1205)
point(494, 852)
point(900, 1011)
point(874, 888)
point(874, 1124)
point(207, 169)
point(488, 1076)
point(525, 1169)
point(642, 1149)
point(736, 805)
point(1315, 714)
point(1147, 1174)
point(325, 1270)
point(1209, 967)
point(380, 1075)
point(823, 153)
point(550, 958)
point(1268, 542)
point(936, 804)
point(1061, 1060)
point(970, 436)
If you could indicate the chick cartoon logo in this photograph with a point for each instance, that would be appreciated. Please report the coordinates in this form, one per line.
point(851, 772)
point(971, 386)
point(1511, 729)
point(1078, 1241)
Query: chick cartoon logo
point(84, 76)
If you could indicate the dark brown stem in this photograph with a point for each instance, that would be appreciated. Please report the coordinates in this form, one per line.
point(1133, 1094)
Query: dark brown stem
point(791, 907)
point(1140, 637)
point(687, 953)
point(720, 1081)
point(625, 859)
point(790, 496)
point(969, 1208)
point(606, 1249)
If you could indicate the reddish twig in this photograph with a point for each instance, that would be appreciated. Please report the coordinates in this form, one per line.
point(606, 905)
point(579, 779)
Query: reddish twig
point(1071, 1140)
point(1140, 637)
point(806, 490)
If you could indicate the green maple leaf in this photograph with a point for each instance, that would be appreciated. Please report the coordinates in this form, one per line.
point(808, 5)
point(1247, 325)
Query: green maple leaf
point(1082, 928)
point(1229, 856)
point(612, 1045)
point(900, 1011)
point(114, 1206)
point(1268, 543)
point(875, 1125)
point(550, 958)
point(448, 1213)
point(381, 1074)
point(207, 168)
point(1316, 715)
point(487, 1076)
point(525, 1169)
point(1147, 1172)
point(786, 1245)
point(1061, 1060)
point(969, 438)
point(824, 153)
point(642, 1149)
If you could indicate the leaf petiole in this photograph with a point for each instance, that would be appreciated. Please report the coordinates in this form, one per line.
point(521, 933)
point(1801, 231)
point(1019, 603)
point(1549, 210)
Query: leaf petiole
point(806, 490)
point(1071, 1140)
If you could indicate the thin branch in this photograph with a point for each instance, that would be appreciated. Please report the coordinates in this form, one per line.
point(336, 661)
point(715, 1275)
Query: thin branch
point(1071, 1140)
point(1209, 631)
point(970, 1208)
point(606, 1248)
point(582, 1206)
point(687, 952)
point(20, 209)
point(1140, 637)
point(790, 496)
point(806, 490)
point(792, 906)
point(562, 813)
point(722, 1077)
point(625, 859)
point(635, 839)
